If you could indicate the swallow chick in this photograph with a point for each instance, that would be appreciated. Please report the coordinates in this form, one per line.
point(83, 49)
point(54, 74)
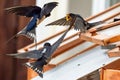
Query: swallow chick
point(79, 22)
point(38, 14)
point(42, 56)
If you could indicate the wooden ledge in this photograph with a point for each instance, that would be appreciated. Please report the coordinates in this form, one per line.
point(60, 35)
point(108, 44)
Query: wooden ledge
point(114, 52)
point(48, 67)
point(110, 74)
point(100, 39)
point(113, 65)
point(113, 39)
point(31, 74)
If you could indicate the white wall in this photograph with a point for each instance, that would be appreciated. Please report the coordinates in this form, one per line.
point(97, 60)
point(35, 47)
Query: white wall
point(58, 12)
point(82, 7)
point(98, 6)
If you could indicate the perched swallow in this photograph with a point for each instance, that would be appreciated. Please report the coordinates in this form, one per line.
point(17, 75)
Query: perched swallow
point(79, 24)
point(38, 14)
point(41, 56)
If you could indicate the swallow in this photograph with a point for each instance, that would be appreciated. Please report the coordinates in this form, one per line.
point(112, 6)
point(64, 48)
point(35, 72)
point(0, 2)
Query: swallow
point(37, 15)
point(79, 23)
point(42, 56)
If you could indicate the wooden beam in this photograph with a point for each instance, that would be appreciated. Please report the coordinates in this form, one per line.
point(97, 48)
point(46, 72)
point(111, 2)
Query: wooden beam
point(112, 16)
point(67, 47)
point(110, 74)
point(99, 38)
point(107, 10)
point(31, 74)
point(114, 52)
point(113, 39)
point(113, 65)
point(48, 67)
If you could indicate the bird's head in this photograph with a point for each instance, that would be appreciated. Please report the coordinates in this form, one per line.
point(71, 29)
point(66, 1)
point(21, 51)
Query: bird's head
point(47, 44)
point(69, 16)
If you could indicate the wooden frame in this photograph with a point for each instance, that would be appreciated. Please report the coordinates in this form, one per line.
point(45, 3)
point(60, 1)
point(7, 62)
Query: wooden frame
point(114, 52)
point(109, 70)
point(101, 39)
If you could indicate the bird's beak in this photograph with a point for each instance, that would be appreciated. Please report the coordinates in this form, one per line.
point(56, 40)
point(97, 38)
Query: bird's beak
point(40, 20)
point(68, 17)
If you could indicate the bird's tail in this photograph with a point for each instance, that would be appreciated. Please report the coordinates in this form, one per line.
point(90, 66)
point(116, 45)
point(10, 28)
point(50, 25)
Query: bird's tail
point(38, 70)
point(29, 34)
point(15, 55)
point(10, 39)
point(94, 24)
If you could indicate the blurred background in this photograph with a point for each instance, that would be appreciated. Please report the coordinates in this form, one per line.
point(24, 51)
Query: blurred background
point(10, 24)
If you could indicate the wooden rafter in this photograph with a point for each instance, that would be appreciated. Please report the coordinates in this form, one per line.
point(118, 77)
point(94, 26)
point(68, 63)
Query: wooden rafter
point(114, 52)
point(113, 39)
point(99, 38)
point(115, 65)
point(73, 56)
point(107, 10)
point(67, 47)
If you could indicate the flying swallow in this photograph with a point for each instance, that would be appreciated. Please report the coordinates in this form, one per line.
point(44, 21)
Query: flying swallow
point(38, 14)
point(42, 56)
point(79, 24)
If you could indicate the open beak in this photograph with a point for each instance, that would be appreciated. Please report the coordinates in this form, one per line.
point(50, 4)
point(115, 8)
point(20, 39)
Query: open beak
point(68, 18)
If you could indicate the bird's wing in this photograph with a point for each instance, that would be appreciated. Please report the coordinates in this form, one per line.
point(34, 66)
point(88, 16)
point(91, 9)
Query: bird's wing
point(79, 24)
point(34, 54)
point(27, 11)
point(47, 8)
point(58, 42)
point(61, 22)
